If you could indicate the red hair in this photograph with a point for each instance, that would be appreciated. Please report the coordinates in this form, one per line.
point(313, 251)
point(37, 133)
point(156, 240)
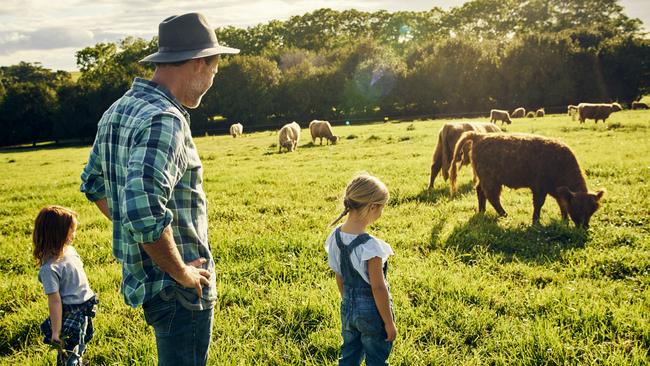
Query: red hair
point(51, 232)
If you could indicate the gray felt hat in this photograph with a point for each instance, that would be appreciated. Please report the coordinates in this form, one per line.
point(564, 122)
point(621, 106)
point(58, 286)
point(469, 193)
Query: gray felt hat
point(184, 37)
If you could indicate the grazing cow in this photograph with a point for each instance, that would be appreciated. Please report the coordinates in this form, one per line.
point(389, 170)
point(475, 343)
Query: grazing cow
point(597, 111)
point(236, 129)
point(500, 115)
point(519, 113)
point(530, 114)
point(640, 105)
point(572, 110)
point(289, 136)
point(540, 113)
point(447, 138)
point(546, 166)
point(320, 129)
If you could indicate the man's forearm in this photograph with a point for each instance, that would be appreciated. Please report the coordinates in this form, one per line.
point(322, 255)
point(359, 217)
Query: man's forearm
point(165, 254)
point(102, 205)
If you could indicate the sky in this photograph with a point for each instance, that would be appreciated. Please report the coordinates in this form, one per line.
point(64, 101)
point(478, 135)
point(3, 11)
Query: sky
point(51, 31)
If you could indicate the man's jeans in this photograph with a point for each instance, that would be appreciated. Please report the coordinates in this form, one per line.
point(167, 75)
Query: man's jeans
point(182, 335)
point(363, 332)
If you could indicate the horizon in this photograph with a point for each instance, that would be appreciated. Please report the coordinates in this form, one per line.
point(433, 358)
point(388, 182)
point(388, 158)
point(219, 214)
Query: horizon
point(72, 25)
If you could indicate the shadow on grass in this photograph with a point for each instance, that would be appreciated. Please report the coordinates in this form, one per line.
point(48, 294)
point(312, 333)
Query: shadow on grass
point(45, 146)
point(534, 243)
point(428, 196)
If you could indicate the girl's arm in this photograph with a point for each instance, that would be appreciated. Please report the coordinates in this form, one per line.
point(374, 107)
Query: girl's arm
point(56, 315)
point(339, 283)
point(380, 293)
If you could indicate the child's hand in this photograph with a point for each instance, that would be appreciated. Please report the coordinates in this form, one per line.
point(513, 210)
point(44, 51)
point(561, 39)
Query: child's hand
point(56, 338)
point(391, 331)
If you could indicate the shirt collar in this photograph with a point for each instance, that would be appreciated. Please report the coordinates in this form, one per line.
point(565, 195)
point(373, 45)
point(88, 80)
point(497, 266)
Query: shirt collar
point(153, 87)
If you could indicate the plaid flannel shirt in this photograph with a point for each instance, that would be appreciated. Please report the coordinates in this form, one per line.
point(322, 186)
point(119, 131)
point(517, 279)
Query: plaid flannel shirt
point(77, 320)
point(145, 163)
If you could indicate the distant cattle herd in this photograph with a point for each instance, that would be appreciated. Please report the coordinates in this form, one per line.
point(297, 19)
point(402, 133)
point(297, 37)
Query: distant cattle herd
point(543, 165)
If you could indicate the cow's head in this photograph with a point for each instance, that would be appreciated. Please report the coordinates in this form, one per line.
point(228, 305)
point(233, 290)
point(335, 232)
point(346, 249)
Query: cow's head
point(581, 205)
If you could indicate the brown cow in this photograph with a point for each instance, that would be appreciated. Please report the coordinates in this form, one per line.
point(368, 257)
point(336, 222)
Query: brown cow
point(639, 105)
point(546, 166)
point(320, 129)
point(597, 111)
point(500, 115)
point(447, 138)
point(519, 113)
point(572, 110)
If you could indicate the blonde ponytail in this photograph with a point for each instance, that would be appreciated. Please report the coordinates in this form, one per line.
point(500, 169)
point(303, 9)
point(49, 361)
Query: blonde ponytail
point(363, 191)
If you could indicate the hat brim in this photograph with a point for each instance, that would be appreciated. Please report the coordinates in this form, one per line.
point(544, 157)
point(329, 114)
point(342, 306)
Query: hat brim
point(177, 56)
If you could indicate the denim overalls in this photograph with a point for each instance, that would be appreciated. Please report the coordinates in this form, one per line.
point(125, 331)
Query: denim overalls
point(363, 328)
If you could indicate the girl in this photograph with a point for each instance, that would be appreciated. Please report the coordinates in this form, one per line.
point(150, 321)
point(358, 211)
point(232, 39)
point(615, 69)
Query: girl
point(70, 300)
point(360, 263)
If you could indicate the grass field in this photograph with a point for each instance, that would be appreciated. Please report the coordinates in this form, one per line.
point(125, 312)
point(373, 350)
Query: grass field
point(468, 289)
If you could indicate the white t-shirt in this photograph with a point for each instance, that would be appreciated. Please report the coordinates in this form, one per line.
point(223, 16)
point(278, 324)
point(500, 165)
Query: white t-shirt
point(360, 255)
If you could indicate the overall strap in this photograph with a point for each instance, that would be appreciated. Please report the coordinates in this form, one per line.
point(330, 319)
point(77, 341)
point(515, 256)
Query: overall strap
point(351, 278)
point(355, 243)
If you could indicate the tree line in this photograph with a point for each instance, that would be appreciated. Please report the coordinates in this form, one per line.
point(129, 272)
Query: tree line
point(340, 65)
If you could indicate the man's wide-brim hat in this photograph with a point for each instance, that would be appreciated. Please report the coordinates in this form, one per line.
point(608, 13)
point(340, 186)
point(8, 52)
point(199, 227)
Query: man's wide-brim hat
point(185, 37)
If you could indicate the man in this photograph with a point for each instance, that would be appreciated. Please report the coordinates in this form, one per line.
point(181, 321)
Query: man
point(145, 175)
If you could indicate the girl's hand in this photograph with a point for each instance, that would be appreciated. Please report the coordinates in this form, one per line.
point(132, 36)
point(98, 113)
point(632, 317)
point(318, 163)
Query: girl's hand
point(391, 331)
point(56, 338)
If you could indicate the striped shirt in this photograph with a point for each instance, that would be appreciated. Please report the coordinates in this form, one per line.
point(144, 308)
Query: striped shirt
point(145, 163)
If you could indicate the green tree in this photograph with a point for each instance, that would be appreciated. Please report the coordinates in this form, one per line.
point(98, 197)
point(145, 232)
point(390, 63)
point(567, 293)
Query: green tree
point(626, 68)
point(244, 90)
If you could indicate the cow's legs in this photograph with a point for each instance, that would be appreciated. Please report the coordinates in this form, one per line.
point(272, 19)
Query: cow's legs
point(481, 198)
point(538, 202)
point(435, 169)
point(563, 208)
point(492, 194)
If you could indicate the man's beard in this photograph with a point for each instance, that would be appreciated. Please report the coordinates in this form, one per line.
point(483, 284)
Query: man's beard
point(196, 91)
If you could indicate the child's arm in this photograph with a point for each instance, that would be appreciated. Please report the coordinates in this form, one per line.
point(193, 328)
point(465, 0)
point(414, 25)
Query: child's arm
point(56, 315)
point(339, 283)
point(380, 293)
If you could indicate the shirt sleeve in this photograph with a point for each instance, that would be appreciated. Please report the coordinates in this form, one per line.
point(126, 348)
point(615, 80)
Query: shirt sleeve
point(376, 248)
point(92, 177)
point(156, 162)
point(333, 254)
point(49, 278)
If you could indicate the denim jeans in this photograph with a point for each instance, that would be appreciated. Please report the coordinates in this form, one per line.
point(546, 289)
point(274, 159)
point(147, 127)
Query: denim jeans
point(182, 335)
point(363, 332)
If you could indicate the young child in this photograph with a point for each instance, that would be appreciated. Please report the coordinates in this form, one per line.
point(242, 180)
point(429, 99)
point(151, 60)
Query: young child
point(360, 263)
point(70, 300)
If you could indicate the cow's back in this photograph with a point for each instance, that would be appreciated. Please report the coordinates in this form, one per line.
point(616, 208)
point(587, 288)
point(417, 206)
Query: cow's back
point(519, 161)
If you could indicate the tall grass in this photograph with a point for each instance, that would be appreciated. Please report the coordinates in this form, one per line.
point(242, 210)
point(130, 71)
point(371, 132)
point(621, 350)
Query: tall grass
point(468, 289)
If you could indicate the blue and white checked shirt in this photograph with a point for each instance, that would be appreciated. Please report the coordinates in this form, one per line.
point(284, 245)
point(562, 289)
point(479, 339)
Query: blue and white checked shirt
point(145, 163)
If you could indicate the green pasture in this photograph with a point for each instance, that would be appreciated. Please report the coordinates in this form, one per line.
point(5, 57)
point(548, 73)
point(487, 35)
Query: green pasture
point(468, 289)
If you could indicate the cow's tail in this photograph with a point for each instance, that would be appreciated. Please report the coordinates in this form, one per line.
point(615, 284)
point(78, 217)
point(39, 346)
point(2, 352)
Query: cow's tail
point(465, 138)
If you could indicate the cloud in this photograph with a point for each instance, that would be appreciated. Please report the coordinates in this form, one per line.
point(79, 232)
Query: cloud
point(29, 26)
point(44, 39)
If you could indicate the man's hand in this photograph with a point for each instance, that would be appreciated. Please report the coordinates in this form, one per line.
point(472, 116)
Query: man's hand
point(166, 256)
point(391, 331)
point(193, 276)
